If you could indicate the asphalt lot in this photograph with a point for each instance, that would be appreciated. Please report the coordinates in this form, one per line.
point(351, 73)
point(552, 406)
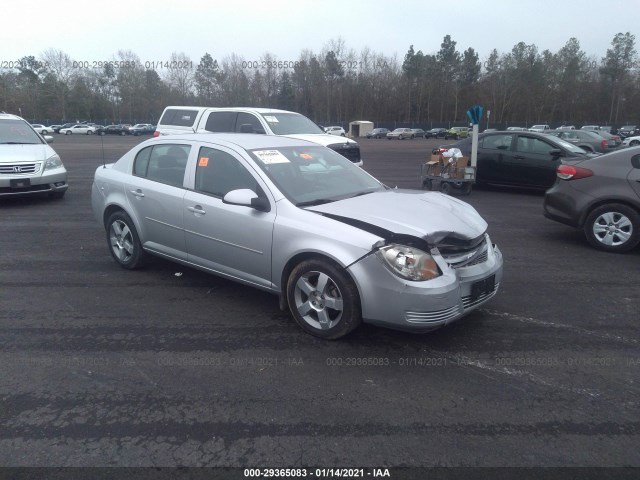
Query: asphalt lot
point(169, 366)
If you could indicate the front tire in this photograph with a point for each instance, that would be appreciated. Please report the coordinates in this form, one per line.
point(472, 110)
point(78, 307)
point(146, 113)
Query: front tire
point(124, 243)
point(613, 228)
point(323, 299)
point(68, 132)
point(634, 143)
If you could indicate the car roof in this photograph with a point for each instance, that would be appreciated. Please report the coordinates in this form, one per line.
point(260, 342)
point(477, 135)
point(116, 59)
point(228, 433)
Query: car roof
point(244, 140)
point(9, 116)
point(233, 109)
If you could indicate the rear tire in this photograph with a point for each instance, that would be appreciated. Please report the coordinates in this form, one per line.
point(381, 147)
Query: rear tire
point(634, 143)
point(124, 243)
point(613, 228)
point(445, 187)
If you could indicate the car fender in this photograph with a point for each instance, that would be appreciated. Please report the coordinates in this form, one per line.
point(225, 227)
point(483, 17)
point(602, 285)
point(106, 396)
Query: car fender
point(307, 233)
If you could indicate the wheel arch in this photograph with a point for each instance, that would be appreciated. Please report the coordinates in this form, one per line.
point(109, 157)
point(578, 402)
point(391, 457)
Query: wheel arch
point(302, 257)
point(601, 202)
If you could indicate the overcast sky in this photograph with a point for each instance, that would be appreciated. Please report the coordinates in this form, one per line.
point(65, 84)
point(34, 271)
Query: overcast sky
point(92, 30)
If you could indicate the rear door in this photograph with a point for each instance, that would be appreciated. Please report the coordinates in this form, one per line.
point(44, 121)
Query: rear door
point(155, 192)
point(492, 150)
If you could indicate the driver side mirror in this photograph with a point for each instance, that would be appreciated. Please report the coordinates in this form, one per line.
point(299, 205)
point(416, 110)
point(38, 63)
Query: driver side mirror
point(555, 153)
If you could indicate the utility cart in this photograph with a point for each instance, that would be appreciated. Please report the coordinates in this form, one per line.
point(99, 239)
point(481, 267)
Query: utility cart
point(451, 178)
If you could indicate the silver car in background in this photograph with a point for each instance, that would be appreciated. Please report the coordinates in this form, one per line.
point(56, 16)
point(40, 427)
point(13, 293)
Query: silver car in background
point(28, 165)
point(299, 220)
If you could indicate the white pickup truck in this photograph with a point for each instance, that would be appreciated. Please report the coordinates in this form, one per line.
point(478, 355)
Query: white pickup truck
point(265, 121)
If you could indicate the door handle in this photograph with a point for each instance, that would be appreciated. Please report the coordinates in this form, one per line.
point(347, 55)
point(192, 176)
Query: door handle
point(197, 209)
point(138, 193)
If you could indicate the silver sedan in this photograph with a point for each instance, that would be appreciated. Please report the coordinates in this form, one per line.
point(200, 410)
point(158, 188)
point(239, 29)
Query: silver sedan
point(301, 221)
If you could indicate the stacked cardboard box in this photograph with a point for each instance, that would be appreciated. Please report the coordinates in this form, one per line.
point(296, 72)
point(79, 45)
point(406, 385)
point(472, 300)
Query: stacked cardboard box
point(447, 167)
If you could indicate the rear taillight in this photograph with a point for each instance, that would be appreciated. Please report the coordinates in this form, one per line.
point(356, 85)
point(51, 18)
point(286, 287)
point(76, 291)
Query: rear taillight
point(604, 144)
point(156, 134)
point(569, 172)
point(438, 151)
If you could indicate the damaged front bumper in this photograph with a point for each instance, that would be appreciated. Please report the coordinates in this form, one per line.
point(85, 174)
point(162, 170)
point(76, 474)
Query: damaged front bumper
point(420, 306)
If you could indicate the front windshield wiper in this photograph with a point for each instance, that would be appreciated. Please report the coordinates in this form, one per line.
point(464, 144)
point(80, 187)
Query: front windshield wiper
point(17, 143)
point(359, 194)
point(317, 201)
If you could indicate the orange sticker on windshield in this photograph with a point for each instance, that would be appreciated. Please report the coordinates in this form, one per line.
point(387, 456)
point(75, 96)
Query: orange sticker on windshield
point(203, 162)
point(306, 156)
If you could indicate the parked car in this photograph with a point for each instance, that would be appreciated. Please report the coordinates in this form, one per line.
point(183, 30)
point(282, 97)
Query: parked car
point(629, 131)
point(335, 131)
point(614, 141)
point(590, 127)
point(41, 129)
point(516, 129)
point(113, 130)
point(142, 129)
point(266, 121)
point(57, 128)
point(457, 132)
point(566, 127)
point(336, 245)
point(400, 134)
point(435, 133)
point(418, 132)
point(631, 141)
point(28, 165)
point(524, 159)
point(601, 196)
point(608, 129)
point(378, 133)
point(585, 139)
point(78, 130)
point(540, 128)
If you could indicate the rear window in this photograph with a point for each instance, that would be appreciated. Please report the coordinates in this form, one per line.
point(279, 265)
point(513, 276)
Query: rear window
point(179, 117)
point(221, 122)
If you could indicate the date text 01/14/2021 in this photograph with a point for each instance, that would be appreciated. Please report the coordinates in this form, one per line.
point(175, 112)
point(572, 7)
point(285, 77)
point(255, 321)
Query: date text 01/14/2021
point(317, 472)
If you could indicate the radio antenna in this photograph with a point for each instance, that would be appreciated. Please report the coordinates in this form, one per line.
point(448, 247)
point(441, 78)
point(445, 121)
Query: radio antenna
point(102, 143)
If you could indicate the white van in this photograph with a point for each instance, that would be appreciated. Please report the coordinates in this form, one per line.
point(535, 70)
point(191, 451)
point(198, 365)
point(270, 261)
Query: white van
point(266, 121)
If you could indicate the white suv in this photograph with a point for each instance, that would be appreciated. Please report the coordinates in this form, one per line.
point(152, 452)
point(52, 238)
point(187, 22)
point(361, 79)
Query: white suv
point(335, 131)
point(28, 165)
point(264, 121)
point(540, 128)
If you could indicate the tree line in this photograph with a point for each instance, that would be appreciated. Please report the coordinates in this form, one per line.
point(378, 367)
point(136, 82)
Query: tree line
point(337, 85)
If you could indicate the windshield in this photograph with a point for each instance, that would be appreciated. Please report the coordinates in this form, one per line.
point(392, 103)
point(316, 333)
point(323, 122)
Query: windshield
point(14, 132)
point(314, 175)
point(291, 124)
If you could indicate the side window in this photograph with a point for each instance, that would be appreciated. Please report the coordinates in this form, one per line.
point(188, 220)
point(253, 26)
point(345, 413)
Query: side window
point(533, 145)
point(497, 142)
point(167, 164)
point(220, 122)
point(182, 118)
point(218, 173)
point(247, 123)
point(141, 163)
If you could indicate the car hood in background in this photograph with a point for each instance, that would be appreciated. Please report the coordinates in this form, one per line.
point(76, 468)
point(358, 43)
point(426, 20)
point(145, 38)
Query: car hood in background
point(432, 216)
point(322, 139)
point(38, 152)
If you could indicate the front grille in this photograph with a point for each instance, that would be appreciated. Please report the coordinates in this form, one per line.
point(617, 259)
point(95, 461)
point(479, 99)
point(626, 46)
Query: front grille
point(439, 317)
point(18, 168)
point(348, 150)
point(464, 253)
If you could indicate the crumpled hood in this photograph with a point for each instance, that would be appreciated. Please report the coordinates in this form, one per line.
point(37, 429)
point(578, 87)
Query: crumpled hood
point(431, 216)
point(322, 139)
point(25, 153)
